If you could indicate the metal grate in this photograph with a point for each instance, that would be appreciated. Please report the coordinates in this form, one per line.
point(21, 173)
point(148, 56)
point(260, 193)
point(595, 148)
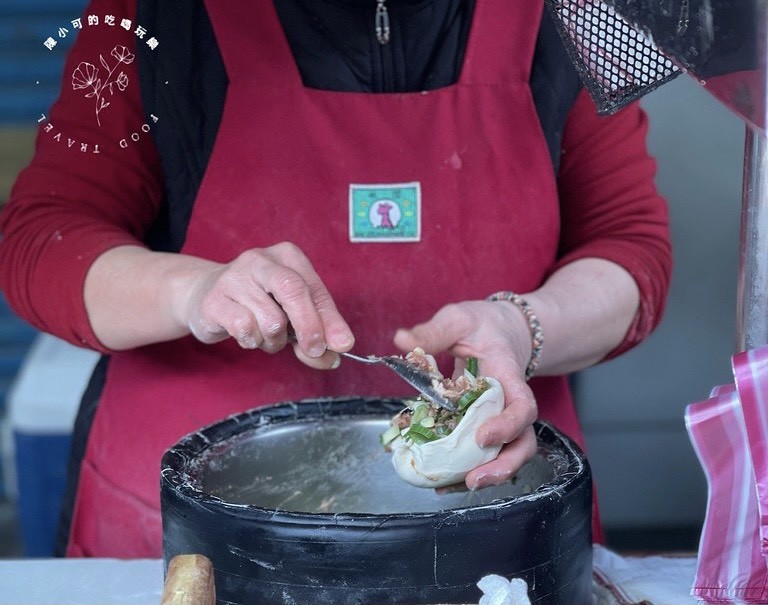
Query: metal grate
point(617, 63)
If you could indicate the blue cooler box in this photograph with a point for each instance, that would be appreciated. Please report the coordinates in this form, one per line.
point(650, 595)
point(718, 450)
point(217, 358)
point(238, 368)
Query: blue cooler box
point(41, 478)
point(42, 405)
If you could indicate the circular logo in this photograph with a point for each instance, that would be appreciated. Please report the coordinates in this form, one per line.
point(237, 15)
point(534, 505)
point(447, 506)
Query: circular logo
point(385, 214)
point(102, 80)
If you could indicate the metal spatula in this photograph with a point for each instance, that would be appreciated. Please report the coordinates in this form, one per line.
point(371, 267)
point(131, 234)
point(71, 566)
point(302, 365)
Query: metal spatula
point(418, 379)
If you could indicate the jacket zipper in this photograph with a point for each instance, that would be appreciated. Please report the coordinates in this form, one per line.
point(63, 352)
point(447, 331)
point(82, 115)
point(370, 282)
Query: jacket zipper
point(382, 29)
point(382, 22)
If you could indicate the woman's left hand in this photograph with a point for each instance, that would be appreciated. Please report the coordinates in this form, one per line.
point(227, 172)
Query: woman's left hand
point(499, 337)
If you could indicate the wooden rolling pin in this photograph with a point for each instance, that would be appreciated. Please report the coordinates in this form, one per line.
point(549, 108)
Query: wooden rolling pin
point(189, 581)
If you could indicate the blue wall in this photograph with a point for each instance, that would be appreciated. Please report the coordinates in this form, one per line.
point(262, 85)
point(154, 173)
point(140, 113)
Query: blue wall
point(30, 74)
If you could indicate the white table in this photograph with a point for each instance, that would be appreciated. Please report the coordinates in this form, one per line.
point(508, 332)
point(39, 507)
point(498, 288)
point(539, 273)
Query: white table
point(81, 582)
point(659, 580)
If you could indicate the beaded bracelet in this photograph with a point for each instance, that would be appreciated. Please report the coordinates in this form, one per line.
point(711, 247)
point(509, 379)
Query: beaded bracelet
point(537, 334)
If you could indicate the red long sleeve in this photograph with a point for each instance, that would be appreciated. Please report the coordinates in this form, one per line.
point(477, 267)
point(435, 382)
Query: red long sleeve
point(610, 206)
point(71, 204)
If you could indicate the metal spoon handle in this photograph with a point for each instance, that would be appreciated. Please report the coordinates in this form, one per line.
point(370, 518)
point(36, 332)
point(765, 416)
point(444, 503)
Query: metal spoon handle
point(418, 379)
point(369, 359)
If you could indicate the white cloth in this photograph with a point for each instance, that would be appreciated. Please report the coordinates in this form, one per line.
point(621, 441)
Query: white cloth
point(653, 580)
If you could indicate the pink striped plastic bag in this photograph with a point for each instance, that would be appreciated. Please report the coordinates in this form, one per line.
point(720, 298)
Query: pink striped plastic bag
point(750, 370)
point(730, 566)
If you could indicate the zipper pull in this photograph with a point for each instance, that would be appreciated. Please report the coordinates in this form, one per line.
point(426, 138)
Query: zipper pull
point(382, 22)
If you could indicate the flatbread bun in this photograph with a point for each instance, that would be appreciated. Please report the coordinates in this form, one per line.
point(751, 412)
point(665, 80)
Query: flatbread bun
point(449, 459)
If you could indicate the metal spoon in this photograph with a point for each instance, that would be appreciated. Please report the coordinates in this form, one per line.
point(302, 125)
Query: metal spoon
point(417, 378)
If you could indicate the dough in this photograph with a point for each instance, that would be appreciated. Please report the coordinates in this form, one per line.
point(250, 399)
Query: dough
point(449, 459)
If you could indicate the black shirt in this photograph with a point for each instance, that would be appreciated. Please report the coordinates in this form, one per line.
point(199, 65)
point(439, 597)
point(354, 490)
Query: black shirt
point(335, 45)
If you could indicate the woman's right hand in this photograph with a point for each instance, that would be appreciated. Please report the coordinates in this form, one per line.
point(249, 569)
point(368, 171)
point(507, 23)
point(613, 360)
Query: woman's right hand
point(136, 297)
point(256, 298)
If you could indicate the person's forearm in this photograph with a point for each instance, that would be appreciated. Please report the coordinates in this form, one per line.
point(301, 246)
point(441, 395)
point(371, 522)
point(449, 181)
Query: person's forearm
point(135, 297)
point(585, 309)
point(132, 295)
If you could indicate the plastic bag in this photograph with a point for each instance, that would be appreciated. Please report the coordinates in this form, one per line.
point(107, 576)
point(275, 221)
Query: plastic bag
point(497, 590)
point(751, 372)
point(727, 430)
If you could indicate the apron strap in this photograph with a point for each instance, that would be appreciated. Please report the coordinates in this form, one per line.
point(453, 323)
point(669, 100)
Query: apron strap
point(239, 23)
point(501, 41)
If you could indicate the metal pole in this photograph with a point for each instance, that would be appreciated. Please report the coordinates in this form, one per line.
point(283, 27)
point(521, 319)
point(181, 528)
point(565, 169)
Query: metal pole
point(752, 290)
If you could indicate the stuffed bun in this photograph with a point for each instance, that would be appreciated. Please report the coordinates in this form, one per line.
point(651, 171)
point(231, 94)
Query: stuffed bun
point(433, 447)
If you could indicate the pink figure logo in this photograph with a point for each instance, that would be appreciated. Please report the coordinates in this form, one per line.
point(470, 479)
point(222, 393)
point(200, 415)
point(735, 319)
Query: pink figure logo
point(384, 210)
point(385, 214)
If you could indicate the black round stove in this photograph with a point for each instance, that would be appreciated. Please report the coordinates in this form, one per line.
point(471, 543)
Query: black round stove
point(298, 503)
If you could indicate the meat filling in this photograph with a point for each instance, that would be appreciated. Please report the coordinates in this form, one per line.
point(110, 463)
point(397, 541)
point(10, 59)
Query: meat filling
point(422, 421)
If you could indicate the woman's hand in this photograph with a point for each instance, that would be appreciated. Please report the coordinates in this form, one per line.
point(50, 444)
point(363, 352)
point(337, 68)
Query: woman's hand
point(585, 309)
point(256, 297)
point(498, 335)
point(136, 297)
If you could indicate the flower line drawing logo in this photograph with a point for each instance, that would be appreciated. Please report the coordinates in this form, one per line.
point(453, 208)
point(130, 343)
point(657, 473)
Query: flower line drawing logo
point(86, 76)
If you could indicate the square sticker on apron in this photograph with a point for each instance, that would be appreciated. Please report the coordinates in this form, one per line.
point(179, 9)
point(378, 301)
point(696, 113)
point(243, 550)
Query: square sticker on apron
point(385, 213)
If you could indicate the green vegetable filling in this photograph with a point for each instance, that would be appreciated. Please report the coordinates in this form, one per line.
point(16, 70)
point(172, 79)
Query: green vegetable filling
point(469, 398)
point(472, 366)
point(419, 434)
point(423, 422)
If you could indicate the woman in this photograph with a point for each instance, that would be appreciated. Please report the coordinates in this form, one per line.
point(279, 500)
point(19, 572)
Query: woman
point(282, 134)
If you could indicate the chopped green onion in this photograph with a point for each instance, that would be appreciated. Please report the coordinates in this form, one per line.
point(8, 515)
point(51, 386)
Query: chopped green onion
point(420, 411)
point(472, 366)
point(419, 434)
point(469, 397)
point(388, 436)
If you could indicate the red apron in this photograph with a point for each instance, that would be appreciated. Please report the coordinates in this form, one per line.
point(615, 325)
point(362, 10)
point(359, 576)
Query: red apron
point(281, 170)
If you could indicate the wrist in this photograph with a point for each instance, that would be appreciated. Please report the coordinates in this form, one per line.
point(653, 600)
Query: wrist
point(534, 327)
point(188, 280)
point(136, 296)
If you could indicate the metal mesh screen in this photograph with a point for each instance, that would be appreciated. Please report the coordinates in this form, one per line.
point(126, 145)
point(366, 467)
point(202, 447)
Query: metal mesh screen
point(617, 63)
